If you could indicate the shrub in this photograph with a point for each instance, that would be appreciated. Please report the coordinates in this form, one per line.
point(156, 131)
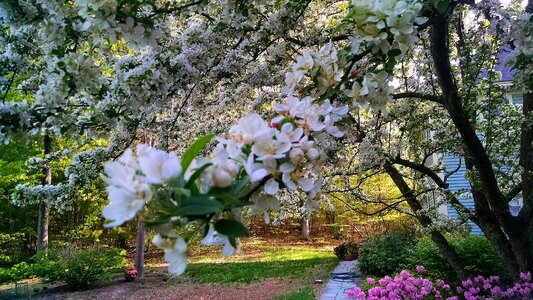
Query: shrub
point(17, 272)
point(15, 247)
point(346, 251)
point(79, 268)
point(413, 286)
point(475, 252)
point(384, 254)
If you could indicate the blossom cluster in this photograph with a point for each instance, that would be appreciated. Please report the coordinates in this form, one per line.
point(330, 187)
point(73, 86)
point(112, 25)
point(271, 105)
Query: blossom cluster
point(276, 154)
point(408, 286)
point(378, 22)
point(324, 67)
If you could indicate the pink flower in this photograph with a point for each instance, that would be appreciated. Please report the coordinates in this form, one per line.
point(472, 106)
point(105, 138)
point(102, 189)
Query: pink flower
point(371, 280)
point(467, 283)
point(385, 280)
point(525, 276)
point(404, 274)
point(351, 293)
point(420, 269)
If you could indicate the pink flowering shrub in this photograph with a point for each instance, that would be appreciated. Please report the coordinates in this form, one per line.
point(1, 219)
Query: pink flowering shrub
point(408, 286)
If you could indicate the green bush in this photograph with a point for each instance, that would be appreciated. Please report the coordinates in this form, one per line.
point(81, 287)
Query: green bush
point(15, 247)
point(78, 268)
point(384, 254)
point(17, 272)
point(475, 252)
point(344, 250)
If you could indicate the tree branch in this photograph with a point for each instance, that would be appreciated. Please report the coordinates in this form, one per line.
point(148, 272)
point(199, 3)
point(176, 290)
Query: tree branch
point(513, 192)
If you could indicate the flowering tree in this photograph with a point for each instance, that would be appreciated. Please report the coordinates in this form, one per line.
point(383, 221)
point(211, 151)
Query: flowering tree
point(183, 69)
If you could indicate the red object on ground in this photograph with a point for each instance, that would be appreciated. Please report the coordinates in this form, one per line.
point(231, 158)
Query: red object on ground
point(130, 274)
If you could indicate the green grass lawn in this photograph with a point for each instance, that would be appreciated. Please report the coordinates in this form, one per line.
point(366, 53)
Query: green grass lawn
point(286, 262)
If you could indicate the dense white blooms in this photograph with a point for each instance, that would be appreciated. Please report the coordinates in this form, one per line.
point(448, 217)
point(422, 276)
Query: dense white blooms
point(378, 20)
point(103, 69)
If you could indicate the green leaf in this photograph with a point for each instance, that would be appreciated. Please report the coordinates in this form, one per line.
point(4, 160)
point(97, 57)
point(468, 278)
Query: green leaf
point(199, 205)
point(226, 195)
point(196, 175)
point(347, 120)
point(394, 52)
point(242, 187)
point(232, 241)
point(231, 228)
point(389, 65)
point(441, 6)
point(193, 151)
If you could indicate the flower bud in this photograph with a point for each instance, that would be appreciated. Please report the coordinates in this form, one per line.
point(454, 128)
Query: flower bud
point(222, 178)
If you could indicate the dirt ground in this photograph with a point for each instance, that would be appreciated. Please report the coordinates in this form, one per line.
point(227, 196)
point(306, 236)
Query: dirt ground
point(154, 287)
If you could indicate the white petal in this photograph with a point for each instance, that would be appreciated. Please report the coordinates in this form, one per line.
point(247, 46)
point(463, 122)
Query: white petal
point(266, 217)
point(286, 167)
point(171, 168)
point(306, 184)
point(286, 177)
point(177, 261)
point(271, 187)
point(258, 175)
point(228, 249)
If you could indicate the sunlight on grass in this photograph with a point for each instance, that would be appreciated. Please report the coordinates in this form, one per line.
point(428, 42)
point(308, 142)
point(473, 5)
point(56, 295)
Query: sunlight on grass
point(288, 262)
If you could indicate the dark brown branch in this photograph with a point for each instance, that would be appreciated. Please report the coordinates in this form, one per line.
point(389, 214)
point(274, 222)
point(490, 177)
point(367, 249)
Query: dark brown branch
point(446, 249)
point(169, 10)
point(458, 114)
point(296, 41)
point(11, 80)
point(513, 192)
point(461, 209)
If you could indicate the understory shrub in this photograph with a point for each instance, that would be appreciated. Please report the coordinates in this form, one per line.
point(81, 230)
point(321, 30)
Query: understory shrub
point(476, 252)
point(17, 272)
point(384, 253)
point(15, 247)
point(79, 268)
point(346, 251)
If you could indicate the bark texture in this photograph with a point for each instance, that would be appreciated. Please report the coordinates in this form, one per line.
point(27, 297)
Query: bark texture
point(44, 208)
point(511, 236)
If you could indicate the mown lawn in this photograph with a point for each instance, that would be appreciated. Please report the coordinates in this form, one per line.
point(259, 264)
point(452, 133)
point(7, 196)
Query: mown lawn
point(286, 262)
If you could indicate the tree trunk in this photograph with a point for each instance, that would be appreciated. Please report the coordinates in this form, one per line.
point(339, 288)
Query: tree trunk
point(44, 208)
point(306, 228)
point(497, 208)
point(445, 248)
point(139, 250)
point(141, 228)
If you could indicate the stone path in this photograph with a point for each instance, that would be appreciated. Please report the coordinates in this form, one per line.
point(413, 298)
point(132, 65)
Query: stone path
point(336, 290)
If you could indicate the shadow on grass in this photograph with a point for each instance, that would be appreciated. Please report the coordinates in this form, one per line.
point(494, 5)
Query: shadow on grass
point(258, 270)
